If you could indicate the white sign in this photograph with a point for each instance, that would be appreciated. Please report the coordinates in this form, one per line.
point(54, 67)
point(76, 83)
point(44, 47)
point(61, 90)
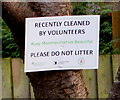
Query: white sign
point(62, 43)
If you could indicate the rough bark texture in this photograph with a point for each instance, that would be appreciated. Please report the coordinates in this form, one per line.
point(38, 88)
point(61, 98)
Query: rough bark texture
point(52, 84)
point(58, 84)
point(115, 91)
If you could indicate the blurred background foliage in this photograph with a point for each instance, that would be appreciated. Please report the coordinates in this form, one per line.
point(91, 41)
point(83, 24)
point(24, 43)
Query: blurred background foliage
point(105, 11)
point(10, 49)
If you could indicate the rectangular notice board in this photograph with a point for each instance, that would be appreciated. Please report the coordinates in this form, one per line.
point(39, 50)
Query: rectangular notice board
point(62, 43)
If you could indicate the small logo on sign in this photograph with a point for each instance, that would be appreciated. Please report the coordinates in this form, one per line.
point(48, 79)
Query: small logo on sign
point(81, 61)
point(55, 63)
point(39, 63)
point(60, 62)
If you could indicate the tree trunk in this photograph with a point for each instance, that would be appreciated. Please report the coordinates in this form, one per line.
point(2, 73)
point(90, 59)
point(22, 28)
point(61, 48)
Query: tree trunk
point(50, 84)
point(115, 91)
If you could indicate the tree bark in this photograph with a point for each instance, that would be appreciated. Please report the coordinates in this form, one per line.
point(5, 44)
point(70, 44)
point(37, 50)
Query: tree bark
point(115, 91)
point(50, 84)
